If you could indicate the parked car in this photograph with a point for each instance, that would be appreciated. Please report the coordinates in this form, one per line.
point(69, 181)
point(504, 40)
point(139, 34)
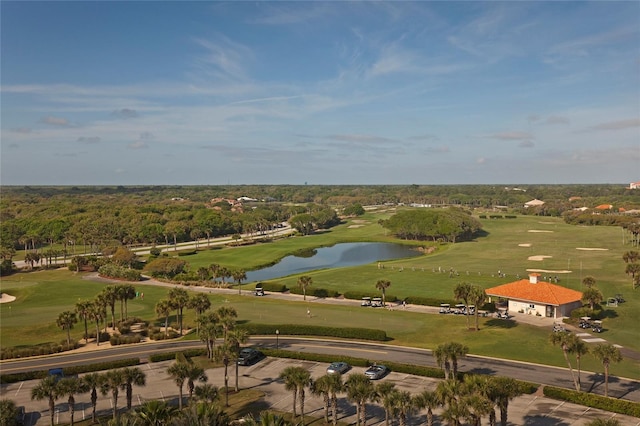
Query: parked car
point(376, 372)
point(249, 356)
point(338, 368)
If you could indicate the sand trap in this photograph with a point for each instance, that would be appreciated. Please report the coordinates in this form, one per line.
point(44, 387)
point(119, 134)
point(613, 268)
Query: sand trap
point(355, 226)
point(7, 298)
point(537, 230)
point(538, 257)
point(524, 245)
point(547, 223)
point(549, 271)
point(591, 248)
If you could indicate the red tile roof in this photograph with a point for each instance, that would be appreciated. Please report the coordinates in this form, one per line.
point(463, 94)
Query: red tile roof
point(540, 292)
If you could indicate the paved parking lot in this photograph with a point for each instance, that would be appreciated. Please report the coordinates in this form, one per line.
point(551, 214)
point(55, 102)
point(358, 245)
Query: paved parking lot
point(525, 410)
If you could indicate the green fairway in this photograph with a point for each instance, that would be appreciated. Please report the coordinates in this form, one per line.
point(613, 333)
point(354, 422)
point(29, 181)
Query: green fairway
point(508, 244)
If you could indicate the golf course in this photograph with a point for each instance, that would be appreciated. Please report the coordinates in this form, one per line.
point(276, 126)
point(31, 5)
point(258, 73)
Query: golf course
point(514, 246)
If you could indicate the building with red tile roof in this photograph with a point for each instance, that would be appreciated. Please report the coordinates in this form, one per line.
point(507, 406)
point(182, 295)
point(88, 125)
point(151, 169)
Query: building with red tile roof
point(536, 297)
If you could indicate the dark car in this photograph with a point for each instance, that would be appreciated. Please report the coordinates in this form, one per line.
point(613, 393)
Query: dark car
point(338, 367)
point(376, 372)
point(248, 356)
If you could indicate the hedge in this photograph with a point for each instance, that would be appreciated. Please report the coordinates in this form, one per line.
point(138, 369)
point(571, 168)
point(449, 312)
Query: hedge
point(315, 330)
point(45, 349)
point(69, 371)
point(356, 295)
point(166, 356)
point(316, 292)
point(428, 301)
point(619, 406)
point(274, 287)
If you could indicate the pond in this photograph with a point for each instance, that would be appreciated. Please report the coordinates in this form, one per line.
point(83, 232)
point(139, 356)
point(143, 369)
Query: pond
point(339, 255)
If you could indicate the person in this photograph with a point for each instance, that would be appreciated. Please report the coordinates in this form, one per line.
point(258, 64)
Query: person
point(404, 304)
point(308, 312)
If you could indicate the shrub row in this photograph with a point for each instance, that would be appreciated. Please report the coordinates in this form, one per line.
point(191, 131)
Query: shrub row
point(428, 301)
point(274, 287)
point(111, 270)
point(46, 349)
point(316, 292)
point(166, 356)
point(619, 406)
point(124, 340)
point(357, 295)
point(159, 335)
point(69, 371)
point(314, 330)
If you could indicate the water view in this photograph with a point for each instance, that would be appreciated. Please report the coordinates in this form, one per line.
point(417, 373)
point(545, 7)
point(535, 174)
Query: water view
point(339, 255)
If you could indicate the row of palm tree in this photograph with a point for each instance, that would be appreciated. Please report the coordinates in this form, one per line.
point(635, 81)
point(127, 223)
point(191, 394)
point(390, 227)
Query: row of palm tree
point(471, 399)
point(111, 382)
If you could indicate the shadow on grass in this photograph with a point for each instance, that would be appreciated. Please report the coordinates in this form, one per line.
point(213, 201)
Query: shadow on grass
point(501, 323)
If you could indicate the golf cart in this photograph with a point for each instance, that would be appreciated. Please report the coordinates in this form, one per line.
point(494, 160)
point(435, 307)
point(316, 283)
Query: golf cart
point(445, 308)
point(366, 301)
point(259, 290)
point(376, 302)
point(597, 326)
point(558, 328)
point(461, 309)
point(585, 322)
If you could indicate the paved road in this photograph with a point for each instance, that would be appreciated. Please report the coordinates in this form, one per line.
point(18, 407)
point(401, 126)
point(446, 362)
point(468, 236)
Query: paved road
point(530, 410)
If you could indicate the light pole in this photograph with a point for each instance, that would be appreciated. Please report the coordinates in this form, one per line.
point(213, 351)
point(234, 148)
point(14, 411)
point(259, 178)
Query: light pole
point(277, 343)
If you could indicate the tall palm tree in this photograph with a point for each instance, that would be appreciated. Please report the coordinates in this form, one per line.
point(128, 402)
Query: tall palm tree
point(592, 296)
point(129, 294)
point(335, 386)
point(132, 376)
point(155, 413)
point(320, 388)
point(202, 414)
point(606, 353)
point(121, 295)
point(429, 400)
point(179, 298)
point(178, 372)
point(111, 297)
point(70, 387)
point(209, 325)
point(206, 392)
point(83, 309)
point(293, 377)
point(215, 269)
point(383, 285)
point(501, 390)
point(402, 405)
point(360, 390)
point(477, 405)
point(579, 348)
point(112, 381)
point(224, 353)
point(238, 276)
point(462, 292)
point(195, 373)
point(65, 321)
point(199, 302)
point(47, 389)
point(96, 314)
point(566, 341)
point(631, 256)
point(442, 359)
point(449, 392)
point(477, 297)
point(304, 282)
point(93, 382)
point(236, 338)
point(588, 281)
point(455, 350)
point(384, 394)
point(163, 309)
point(227, 319)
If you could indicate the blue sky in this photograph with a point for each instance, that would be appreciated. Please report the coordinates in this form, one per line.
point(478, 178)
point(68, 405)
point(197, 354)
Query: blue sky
point(128, 93)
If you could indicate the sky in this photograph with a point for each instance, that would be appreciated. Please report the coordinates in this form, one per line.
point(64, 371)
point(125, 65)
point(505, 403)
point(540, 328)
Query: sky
point(218, 93)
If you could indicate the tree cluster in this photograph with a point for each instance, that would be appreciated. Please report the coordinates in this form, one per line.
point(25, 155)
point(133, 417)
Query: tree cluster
point(447, 225)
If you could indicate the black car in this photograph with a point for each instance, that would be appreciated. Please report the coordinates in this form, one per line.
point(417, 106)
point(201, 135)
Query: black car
point(249, 356)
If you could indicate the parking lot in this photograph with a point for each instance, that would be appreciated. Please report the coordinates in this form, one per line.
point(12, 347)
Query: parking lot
point(263, 375)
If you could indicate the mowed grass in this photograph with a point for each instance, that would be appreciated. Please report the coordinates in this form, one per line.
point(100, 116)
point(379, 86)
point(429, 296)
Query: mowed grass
point(43, 295)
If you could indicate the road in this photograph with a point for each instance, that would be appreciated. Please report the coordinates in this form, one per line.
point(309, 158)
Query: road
point(375, 352)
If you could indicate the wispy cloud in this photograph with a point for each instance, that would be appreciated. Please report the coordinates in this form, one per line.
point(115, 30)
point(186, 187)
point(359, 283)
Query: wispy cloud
point(360, 139)
point(618, 125)
point(510, 136)
point(223, 58)
point(125, 113)
point(89, 139)
point(55, 121)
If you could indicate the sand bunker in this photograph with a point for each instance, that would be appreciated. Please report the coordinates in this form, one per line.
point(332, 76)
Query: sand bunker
point(7, 298)
point(355, 226)
point(591, 248)
point(547, 223)
point(537, 230)
point(524, 245)
point(550, 271)
point(538, 257)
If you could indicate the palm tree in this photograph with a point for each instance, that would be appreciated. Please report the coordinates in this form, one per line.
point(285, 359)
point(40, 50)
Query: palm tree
point(111, 297)
point(383, 285)
point(203, 273)
point(303, 283)
point(95, 313)
point(47, 389)
point(178, 298)
point(360, 390)
point(70, 387)
point(631, 256)
point(202, 414)
point(94, 382)
point(132, 376)
point(295, 380)
point(194, 373)
point(236, 338)
point(227, 319)
point(334, 387)
point(462, 292)
point(579, 348)
point(224, 353)
point(8, 413)
point(477, 405)
point(129, 294)
point(65, 321)
point(238, 276)
point(501, 390)
point(178, 372)
point(384, 394)
point(200, 302)
point(606, 353)
point(320, 388)
point(214, 268)
point(163, 309)
point(477, 297)
point(449, 392)
point(588, 281)
point(112, 381)
point(447, 355)
point(209, 329)
point(206, 392)
point(429, 400)
point(155, 413)
point(566, 341)
point(121, 295)
point(592, 296)
point(442, 359)
point(83, 309)
point(401, 405)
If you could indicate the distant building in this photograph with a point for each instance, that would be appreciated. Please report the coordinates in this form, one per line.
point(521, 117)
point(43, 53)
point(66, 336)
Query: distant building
point(634, 185)
point(535, 297)
point(604, 207)
point(534, 203)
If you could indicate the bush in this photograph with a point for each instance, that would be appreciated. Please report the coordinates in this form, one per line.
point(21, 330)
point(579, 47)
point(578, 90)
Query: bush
point(159, 335)
point(274, 287)
point(428, 301)
point(69, 371)
point(167, 356)
point(44, 349)
point(314, 330)
point(186, 252)
point(619, 406)
point(317, 292)
point(124, 340)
